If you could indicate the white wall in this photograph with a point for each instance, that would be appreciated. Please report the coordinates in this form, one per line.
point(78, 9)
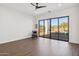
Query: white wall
point(14, 25)
point(73, 14)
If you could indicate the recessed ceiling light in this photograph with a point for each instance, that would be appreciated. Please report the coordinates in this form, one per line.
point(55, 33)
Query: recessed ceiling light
point(59, 5)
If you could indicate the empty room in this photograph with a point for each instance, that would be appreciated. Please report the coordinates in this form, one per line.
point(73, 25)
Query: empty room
point(39, 29)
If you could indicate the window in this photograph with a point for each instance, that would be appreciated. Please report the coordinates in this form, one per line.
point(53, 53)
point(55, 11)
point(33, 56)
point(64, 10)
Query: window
point(55, 28)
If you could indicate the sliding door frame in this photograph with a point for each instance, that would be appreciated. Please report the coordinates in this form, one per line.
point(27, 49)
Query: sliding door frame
point(68, 27)
point(58, 27)
point(44, 27)
point(50, 27)
point(39, 27)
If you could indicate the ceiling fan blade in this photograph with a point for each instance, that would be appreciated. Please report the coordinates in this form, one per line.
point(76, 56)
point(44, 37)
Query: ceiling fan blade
point(36, 6)
point(33, 4)
point(41, 6)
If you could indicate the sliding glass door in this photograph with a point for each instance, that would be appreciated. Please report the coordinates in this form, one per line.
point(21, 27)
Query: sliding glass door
point(44, 28)
point(54, 28)
point(63, 28)
point(47, 29)
point(41, 28)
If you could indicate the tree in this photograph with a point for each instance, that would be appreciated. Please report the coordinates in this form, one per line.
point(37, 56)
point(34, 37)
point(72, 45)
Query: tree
point(64, 25)
point(53, 28)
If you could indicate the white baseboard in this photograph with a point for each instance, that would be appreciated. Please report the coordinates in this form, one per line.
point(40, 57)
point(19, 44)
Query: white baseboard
point(14, 39)
point(74, 42)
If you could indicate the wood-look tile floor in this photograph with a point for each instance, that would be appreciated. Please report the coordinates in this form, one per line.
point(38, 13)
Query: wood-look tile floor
point(39, 47)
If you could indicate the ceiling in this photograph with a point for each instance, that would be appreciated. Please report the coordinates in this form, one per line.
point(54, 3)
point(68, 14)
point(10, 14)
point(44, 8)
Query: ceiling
point(29, 9)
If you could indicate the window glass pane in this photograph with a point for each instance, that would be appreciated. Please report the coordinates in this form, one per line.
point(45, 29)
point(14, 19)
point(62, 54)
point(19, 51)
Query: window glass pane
point(54, 28)
point(41, 28)
point(63, 28)
point(47, 29)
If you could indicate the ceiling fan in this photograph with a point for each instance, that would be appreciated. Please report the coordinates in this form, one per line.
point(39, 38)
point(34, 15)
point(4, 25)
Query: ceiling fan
point(37, 5)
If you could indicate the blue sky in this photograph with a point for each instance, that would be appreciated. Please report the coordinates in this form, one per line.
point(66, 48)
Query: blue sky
point(54, 22)
point(61, 20)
